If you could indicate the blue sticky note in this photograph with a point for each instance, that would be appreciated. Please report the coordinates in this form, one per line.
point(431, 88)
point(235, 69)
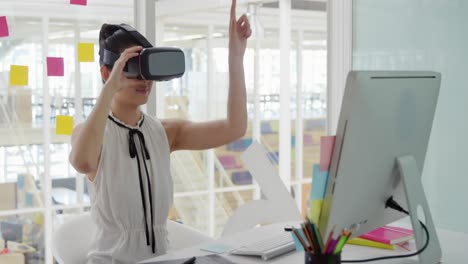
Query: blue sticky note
point(20, 182)
point(319, 183)
point(247, 142)
point(217, 248)
point(297, 243)
point(29, 199)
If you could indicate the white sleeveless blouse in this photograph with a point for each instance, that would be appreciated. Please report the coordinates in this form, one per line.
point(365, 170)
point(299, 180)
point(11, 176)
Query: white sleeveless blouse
point(120, 196)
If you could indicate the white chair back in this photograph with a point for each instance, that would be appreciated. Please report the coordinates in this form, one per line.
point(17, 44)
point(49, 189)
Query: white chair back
point(72, 240)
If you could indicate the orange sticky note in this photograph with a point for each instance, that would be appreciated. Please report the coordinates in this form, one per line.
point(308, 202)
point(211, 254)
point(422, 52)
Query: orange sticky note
point(64, 125)
point(18, 75)
point(86, 52)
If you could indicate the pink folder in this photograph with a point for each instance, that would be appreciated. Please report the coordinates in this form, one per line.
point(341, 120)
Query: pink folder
point(389, 235)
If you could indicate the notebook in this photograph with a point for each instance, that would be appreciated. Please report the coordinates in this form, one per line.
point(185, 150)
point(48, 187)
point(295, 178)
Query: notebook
point(369, 243)
point(209, 259)
point(389, 235)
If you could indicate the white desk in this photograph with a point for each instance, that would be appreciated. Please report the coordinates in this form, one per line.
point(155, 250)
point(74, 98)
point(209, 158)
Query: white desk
point(454, 247)
point(67, 196)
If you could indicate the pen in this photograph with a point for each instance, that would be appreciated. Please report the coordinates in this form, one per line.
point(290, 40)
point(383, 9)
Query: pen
point(340, 244)
point(332, 246)
point(312, 237)
point(190, 260)
point(312, 232)
point(353, 229)
point(299, 237)
point(329, 240)
point(317, 237)
point(308, 236)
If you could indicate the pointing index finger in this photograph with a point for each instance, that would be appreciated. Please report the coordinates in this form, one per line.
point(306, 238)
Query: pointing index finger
point(233, 10)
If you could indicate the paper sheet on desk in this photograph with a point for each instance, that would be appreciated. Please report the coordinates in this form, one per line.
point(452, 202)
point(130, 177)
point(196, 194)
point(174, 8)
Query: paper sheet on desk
point(217, 248)
point(209, 259)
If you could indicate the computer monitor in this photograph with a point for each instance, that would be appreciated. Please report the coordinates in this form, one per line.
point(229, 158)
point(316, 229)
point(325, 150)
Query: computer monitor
point(384, 116)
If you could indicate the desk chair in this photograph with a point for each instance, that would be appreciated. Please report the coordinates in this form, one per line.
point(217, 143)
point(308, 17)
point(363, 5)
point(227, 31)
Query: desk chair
point(278, 205)
point(71, 241)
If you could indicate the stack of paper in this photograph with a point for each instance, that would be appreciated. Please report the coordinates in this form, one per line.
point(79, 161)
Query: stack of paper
point(384, 237)
point(389, 235)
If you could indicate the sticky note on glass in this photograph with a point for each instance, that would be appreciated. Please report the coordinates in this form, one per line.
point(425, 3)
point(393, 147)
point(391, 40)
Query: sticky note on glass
point(29, 199)
point(4, 27)
point(319, 183)
point(18, 75)
point(326, 151)
point(20, 182)
point(54, 66)
point(64, 125)
point(275, 126)
point(86, 52)
point(79, 2)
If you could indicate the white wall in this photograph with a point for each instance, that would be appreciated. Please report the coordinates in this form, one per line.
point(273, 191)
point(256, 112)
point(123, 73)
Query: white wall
point(426, 35)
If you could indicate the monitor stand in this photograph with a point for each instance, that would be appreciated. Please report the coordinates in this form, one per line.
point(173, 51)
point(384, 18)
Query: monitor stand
point(415, 197)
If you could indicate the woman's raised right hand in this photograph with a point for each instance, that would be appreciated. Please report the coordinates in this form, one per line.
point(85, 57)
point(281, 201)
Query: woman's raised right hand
point(117, 80)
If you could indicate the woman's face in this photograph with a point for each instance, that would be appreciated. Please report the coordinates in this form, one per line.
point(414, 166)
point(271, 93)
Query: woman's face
point(134, 92)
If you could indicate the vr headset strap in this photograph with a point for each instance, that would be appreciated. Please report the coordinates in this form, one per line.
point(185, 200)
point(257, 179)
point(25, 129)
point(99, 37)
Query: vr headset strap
point(109, 57)
point(136, 35)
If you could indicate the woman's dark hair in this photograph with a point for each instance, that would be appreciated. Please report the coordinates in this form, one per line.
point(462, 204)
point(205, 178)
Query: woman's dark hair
point(115, 39)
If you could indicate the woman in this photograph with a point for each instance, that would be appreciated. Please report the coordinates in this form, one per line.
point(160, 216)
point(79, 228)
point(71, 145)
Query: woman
point(125, 153)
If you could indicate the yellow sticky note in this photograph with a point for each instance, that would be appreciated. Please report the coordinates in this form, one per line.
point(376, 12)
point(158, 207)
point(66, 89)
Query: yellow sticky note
point(315, 210)
point(86, 52)
point(18, 75)
point(275, 126)
point(64, 125)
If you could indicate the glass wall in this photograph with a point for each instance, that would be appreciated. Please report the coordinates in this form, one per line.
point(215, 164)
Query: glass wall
point(209, 185)
point(426, 35)
point(192, 97)
point(37, 31)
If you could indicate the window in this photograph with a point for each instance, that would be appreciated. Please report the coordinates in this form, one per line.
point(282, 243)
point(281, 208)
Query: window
point(191, 98)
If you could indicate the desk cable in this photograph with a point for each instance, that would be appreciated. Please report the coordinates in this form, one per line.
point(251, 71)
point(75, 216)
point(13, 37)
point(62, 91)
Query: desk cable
point(395, 206)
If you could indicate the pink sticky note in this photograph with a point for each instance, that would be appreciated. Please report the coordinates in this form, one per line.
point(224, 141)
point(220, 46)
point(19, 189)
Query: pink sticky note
point(78, 2)
point(326, 152)
point(4, 27)
point(54, 66)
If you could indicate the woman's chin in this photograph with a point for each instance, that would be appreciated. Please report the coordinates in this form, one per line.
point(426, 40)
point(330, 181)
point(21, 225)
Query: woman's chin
point(142, 102)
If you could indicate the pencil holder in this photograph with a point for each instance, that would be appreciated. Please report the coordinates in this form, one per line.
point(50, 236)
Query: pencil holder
point(312, 258)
